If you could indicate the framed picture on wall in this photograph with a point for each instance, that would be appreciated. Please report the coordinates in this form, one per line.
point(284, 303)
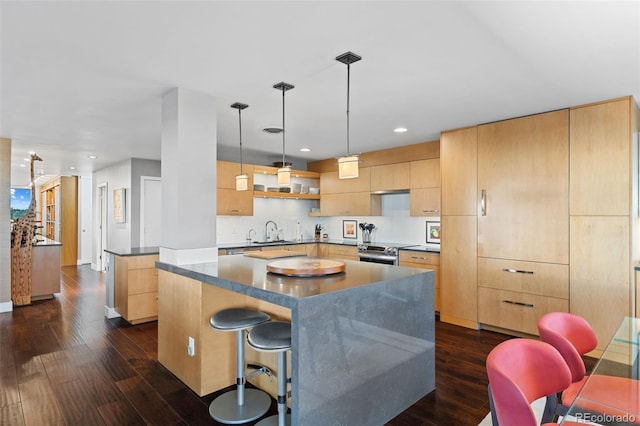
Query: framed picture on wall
point(119, 211)
point(350, 229)
point(433, 232)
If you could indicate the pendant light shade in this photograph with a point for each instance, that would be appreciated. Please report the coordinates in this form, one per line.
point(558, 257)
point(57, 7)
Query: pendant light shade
point(284, 172)
point(348, 165)
point(242, 180)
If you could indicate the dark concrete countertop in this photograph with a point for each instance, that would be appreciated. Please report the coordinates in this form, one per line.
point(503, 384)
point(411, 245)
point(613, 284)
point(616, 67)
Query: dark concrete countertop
point(248, 275)
point(423, 248)
point(134, 251)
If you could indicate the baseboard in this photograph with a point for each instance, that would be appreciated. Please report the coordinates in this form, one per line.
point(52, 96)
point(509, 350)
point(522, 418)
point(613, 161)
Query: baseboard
point(111, 313)
point(6, 306)
point(83, 262)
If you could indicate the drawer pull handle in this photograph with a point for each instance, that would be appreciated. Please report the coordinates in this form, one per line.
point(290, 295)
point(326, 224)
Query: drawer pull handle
point(234, 211)
point(517, 271)
point(483, 202)
point(511, 302)
point(431, 211)
point(419, 257)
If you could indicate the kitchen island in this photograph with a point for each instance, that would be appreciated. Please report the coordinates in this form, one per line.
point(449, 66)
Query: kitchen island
point(362, 340)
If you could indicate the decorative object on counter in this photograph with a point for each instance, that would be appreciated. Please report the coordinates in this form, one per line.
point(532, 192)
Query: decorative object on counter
point(306, 266)
point(348, 165)
point(350, 229)
point(318, 231)
point(242, 180)
point(23, 231)
point(299, 237)
point(367, 228)
point(433, 232)
point(284, 172)
point(119, 205)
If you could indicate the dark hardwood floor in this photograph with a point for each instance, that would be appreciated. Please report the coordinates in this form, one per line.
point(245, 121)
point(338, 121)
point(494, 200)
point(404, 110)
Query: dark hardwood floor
point(63, 363)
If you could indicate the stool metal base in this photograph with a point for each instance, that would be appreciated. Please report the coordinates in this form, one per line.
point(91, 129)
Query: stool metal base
point(273, 421)
point(225, 408)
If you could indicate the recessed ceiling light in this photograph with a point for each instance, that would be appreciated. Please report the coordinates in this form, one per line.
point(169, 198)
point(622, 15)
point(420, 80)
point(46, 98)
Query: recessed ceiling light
point(305, 149)
point(27, 159)
point(31, 152)
point(23, 165)
point(400, 129)
point(72, 167)
point(93, 157)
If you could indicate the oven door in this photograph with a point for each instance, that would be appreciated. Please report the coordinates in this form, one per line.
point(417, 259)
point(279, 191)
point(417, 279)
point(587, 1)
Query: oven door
point(386, 259)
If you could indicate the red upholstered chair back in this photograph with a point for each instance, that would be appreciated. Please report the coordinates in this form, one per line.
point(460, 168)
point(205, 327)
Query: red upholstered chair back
point(572, 336)
point(521, 371)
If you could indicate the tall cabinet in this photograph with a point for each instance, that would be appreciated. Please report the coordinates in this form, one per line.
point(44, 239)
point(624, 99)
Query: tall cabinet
point(604, 213)
point(59, 215)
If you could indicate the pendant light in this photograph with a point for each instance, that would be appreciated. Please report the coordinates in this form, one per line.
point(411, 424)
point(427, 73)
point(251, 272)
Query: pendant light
point(284, 172)
point(242, 180)
point(348, 165)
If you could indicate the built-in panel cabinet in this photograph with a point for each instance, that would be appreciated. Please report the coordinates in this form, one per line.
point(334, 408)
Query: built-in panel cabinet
point(229, 201)
point(603, 220)
point(340, 251)
point(350, 204)
point(390, 177)
point(458, 250)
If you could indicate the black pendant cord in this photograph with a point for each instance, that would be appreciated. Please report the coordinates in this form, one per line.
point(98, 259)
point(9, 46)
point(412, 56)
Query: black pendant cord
point(240, 124)
point(283, 131)
point(348, 91)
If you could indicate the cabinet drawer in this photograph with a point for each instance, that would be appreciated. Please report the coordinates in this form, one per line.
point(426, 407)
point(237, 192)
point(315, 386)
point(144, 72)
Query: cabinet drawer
point(516, 311)
point(142, 281)
point(544, 279)
point(419, 257)
point(143, 305)
point(345, 252)
point(139, 262)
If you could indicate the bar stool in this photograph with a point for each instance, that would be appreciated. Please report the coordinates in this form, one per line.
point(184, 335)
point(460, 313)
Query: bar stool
point(240, 405)
point(275, 336)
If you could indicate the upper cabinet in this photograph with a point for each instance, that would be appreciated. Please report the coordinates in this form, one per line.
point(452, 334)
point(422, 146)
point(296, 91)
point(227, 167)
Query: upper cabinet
point(331, 184)
point(229, 201)
point(390, 177)
point(459, 166)
point(425, 187)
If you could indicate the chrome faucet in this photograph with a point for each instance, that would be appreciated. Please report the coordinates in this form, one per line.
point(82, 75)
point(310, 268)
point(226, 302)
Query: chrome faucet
point(267, 236)
point(251, 231)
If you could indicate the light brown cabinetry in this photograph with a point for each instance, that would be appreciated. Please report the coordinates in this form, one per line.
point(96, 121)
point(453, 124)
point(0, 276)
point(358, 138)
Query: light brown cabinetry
point(523, 188)
point(390, 177)
point(229, 201)
point(348, 197)
point(340, 251)
point(422, 260)
point(458, 251)
point(309, 249)
point(425, 187)
point(603, 215)
point(136, 288)
point(59, 214)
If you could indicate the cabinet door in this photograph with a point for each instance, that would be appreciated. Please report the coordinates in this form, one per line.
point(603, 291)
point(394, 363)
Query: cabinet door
point(600, 153)
point(459, 170)
point(523, 188)
point(331, 184)
point(458, 265)
point(390, 177)
point(226, 173)
point(425, 201)
point(425, 173)
point(234, 203)
point(349, 204)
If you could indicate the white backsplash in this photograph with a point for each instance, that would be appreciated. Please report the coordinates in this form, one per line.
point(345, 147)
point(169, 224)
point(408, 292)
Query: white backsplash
point(394, 226)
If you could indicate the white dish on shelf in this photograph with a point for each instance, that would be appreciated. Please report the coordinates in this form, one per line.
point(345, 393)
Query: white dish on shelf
point(314, 191)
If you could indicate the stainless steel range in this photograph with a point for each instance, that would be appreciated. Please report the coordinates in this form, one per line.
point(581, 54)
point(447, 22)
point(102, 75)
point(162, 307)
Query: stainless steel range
point(387, 253)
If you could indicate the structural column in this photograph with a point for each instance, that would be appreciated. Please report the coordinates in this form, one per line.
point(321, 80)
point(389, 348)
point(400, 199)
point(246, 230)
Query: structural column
point(5, 225)
point(188, 213)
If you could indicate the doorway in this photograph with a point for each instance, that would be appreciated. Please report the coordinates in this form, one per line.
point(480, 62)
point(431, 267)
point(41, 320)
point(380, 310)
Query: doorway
point(101, 229)
point(150, 194)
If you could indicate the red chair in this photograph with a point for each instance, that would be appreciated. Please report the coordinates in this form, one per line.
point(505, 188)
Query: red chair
point(521, 371)
point(572, 336)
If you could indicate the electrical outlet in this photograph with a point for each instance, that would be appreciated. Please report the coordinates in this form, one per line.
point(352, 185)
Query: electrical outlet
point(191, 347)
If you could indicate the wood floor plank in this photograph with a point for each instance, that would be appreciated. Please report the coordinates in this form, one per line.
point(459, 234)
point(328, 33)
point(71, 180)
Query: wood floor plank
point(11, 415)
point(119, 413)
point(76, 404)
point(9, 391)
point(146, 401)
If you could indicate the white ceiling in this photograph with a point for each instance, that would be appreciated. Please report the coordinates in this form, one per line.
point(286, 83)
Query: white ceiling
point(81, 78)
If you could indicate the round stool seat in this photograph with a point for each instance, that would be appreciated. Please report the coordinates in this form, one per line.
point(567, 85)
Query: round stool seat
point(274, 336)
point(234, 319)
